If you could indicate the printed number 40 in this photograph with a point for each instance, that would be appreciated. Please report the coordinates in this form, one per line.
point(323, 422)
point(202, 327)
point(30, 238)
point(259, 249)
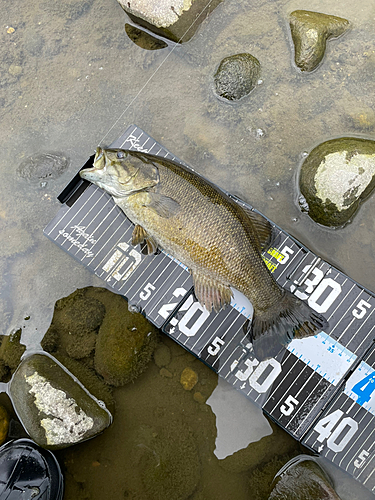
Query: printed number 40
point(337, 437)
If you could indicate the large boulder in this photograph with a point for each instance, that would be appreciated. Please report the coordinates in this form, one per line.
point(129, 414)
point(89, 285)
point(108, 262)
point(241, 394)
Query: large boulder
point(310, 32)
point(53, 406)
point(336, 177)
point(177, 20)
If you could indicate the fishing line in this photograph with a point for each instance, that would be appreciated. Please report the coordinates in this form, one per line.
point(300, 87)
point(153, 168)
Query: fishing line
point(153, 74)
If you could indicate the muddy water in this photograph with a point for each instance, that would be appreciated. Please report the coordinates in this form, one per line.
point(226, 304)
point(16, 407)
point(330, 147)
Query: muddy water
point(71, 78)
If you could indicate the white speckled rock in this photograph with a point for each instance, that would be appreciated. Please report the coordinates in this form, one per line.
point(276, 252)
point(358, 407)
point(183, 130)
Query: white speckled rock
point(54, 408)
point(175, 19)
point(335, 178)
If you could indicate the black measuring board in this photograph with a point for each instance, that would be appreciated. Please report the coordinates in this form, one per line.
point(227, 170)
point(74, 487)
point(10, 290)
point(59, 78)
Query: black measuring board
point(345, 433)
point(294, 387)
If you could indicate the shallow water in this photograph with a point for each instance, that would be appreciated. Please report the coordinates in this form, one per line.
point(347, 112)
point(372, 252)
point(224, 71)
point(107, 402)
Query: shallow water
point(71, 79)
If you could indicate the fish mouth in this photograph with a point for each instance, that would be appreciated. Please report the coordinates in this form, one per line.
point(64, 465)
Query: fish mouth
point(88, 173)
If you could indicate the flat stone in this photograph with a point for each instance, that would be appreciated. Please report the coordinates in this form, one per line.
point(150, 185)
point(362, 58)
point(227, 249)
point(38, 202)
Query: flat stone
point(237, 76)
point(188, 379)
point(336, 177)
point(177, 20)
point(310, 32)
point(54, 408)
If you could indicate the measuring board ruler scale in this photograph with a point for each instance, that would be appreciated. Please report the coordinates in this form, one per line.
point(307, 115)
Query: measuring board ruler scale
point(294, 387)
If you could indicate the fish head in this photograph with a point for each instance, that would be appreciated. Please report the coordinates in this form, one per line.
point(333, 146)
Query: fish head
point(120, 173)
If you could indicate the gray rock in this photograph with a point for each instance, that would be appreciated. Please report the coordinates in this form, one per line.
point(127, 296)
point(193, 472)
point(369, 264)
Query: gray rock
point(237, 76)
point(43, 166)
point(177, 20)
point(54, 408)
point(336, 177)
point(310, 32)
point(302, 478)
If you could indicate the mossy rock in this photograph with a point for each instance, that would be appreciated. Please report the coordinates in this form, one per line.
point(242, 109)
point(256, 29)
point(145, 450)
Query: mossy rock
point(310, 32)
point(75, 324)
point(11, 349)
point(336, 177)
point(237, 76)
point(125, 344)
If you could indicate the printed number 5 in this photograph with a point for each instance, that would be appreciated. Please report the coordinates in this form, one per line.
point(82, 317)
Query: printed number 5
point(361, 311)
point(147, 291)
point(215, 347)
point(361, 459)
point(289, 406)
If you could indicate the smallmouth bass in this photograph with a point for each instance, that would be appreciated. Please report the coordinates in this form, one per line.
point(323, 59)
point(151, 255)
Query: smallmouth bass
point(218, 240)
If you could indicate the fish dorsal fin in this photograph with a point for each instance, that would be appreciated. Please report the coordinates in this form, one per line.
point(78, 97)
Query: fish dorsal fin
point(147, 242)
point(164, 206)
point(211, 293)
point(262, 226)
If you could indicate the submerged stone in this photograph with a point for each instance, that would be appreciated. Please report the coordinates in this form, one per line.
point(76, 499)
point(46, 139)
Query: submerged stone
point(237, 76)
point(177, 20)
point(336, 177)
point(75, 324)
point(188, 379)
point(302, 478)
point(54, 408)
point(11, 349)
point(43, 166)
point(310, 32)
point(4, 424)
point(143, 39)
point(125, 344)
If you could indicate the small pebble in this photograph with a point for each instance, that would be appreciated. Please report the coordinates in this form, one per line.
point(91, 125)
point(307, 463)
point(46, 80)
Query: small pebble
point(199, 398)
point(165, 373)
point(188, 379)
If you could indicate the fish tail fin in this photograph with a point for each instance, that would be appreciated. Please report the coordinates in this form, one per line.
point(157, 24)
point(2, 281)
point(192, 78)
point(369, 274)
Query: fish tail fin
point(277, 326)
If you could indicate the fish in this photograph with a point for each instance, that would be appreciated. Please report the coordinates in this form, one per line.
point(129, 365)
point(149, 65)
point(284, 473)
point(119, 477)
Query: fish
point(220, 241)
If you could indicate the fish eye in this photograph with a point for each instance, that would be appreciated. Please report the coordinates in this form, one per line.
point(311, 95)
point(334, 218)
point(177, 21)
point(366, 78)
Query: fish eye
point(120, 154)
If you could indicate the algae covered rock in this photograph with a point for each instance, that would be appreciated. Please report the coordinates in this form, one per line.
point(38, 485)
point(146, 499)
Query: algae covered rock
point(11, 350)
point(335, 178)
point(4, 424)
point(302, 478)
point(75, 325)
point(54, 408)
point(310, 32)
point(126, 342)
point(236, 76)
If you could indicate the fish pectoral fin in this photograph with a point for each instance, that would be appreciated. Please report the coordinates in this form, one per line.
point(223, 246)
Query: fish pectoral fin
point(263, 228)
point(211, 293)
point(147, 242)
point(164, 206)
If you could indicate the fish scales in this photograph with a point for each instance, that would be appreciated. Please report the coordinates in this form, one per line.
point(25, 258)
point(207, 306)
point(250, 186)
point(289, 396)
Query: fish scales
point(210, 233)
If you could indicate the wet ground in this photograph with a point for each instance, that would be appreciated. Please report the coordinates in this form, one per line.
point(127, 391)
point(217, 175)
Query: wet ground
point(71, 79)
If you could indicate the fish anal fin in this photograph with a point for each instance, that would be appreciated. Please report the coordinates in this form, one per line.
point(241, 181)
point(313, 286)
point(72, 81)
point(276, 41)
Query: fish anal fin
point(210, 293)
point(262, 226)
point(147, 242)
